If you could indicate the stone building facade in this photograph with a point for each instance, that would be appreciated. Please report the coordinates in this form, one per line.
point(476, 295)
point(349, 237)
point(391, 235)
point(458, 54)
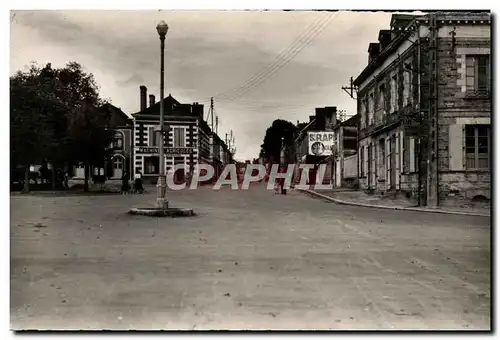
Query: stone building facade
point(425, 107)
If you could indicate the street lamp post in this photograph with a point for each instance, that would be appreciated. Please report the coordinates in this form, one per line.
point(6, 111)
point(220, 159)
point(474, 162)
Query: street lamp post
point(161, 186)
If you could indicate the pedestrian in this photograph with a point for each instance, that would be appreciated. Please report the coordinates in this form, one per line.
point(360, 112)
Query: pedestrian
point(282, 181)
point(125, 183)
point(66, 180)
point(138, 183)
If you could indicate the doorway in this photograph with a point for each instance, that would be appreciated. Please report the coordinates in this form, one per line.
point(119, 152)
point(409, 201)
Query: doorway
point(118, 166)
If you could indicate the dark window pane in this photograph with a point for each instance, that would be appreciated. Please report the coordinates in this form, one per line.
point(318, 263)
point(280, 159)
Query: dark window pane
point(470, 142)
point(483, 145)
point(482, 131)
point(483, 72)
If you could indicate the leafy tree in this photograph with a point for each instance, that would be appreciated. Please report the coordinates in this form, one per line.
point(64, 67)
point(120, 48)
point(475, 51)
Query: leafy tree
point(88, 137)
point(54, 116)
point(271, 147)
point(72, 86)
point(29, 107)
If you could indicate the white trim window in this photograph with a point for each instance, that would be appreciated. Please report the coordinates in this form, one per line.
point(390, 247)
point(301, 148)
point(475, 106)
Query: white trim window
point(478, 74)
point(477, 147)
point(154, 136)
point(179, 137)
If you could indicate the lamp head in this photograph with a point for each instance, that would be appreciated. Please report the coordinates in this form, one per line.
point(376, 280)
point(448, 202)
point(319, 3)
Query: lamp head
point(162, 28)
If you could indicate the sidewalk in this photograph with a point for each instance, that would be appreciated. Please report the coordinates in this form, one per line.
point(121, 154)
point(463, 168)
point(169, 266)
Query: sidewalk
point(360, 198)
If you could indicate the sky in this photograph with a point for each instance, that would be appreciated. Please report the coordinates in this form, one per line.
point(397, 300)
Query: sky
point(258, 66)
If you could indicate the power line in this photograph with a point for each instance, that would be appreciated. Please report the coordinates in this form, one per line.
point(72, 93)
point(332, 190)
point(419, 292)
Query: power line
point(293, 53)
point(270, 65)
point(281, 60)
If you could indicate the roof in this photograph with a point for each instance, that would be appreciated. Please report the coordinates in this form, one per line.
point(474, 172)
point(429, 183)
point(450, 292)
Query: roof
point(117, 116)
point(169, 104)
point(408, 20)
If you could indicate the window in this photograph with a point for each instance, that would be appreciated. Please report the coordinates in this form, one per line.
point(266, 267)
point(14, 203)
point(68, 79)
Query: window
point(179, 141)
point(394, 94)
point(154, 137)
point(371, 108)
point(407, 85)
point(477, 142)
point(413, 154)
point(478, 76)
point(118, 163)
point(381, 94)
point(363, 113)
point(362, 161)
point(151, 165)
point(118, 141)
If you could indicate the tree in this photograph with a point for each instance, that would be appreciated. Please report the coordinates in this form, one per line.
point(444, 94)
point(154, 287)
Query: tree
point(271, 147)
point(72, 86)
point(88, 136)
point(30, 104)
point(54, 116)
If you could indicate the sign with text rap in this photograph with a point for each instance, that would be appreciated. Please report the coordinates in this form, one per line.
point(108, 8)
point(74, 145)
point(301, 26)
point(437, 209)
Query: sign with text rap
point(320, 143)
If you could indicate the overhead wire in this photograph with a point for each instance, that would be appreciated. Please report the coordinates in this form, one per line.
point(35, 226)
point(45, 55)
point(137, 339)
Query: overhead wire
point(280, 61)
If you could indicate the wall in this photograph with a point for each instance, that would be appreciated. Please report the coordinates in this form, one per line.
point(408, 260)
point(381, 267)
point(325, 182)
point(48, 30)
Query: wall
point(457, 109)
point(350, 166)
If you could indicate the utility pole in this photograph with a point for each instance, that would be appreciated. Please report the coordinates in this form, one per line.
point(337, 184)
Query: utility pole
point(212, 113)
point(216, 124)
point(351, 89)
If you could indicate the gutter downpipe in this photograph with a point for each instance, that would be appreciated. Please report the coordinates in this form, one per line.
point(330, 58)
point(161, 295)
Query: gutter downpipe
point(420, 151)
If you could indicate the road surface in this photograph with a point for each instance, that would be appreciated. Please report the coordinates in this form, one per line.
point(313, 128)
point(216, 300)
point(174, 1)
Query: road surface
point(249, 260)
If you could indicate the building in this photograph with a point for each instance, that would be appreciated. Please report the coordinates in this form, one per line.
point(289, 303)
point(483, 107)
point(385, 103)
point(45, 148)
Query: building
point(345, 160)
point(121, 149)
point(122, 157)
point(300, 152)
point(188, 139)
point(424, 101)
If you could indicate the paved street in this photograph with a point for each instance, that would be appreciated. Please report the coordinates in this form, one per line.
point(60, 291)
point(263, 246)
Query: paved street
point(249, 260)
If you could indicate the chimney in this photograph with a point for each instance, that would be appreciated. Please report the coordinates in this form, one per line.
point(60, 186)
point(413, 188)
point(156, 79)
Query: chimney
point(197, 110)
point(399, 23)
point(151, 100)
point(320, 118)
point(144, 92)
point(373, 51)
point(311, 118)
point(298, 122)
point(384, 38)
point(330, 116)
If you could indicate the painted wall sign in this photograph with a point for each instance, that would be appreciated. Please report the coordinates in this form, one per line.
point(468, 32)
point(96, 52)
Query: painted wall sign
point(168, 151)
point(320, 143)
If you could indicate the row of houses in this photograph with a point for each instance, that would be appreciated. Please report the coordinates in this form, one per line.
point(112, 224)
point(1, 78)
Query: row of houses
point(188, 140)
point(423, 121)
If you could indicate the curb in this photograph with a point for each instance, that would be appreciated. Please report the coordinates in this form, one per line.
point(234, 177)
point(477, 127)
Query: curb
point(169, 212)
point(335, 200)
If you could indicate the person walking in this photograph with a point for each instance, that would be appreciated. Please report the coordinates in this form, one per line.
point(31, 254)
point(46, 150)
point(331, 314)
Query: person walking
point(138, 183)
point(282, 181)
point(125, 183)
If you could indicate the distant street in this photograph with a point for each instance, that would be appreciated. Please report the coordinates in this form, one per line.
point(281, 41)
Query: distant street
point(249, 260)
